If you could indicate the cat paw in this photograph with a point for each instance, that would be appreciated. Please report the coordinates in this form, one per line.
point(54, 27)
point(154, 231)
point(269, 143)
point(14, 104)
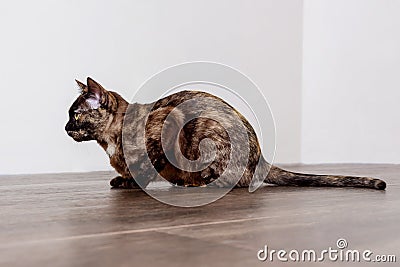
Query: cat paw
point(117, 182)
point(126, 183)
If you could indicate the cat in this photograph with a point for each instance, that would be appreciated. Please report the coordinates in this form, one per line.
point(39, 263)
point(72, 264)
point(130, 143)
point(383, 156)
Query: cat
point(98, 114)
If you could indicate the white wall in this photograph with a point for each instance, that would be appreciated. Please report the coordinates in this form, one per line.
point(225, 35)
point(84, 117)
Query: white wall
point(46, 44)
point(351, 81)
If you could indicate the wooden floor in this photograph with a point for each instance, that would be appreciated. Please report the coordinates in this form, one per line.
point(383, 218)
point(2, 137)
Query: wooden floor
point(75, 219)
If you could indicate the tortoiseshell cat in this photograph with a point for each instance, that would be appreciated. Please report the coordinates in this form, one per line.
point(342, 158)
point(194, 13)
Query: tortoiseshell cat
point(98, 114)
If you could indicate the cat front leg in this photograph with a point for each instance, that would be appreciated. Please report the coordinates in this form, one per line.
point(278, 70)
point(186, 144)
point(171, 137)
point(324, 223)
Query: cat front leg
point(124, 180)
point(142, 170)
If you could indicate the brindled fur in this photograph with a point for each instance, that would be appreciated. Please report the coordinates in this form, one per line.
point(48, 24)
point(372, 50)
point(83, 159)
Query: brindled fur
point(99, 114)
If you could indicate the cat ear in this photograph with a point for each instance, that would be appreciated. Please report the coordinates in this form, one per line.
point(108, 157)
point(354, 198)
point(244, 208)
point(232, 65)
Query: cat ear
point(82, 86)
point(95, 94)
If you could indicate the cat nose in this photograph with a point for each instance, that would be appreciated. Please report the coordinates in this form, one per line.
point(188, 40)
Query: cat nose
point(68, 127)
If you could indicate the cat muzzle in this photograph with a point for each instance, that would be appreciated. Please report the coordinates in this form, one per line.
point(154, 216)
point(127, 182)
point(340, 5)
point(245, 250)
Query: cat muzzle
point(75, 134)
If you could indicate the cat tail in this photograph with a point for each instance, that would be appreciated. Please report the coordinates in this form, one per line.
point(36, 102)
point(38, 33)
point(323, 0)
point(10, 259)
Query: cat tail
point(283, 177)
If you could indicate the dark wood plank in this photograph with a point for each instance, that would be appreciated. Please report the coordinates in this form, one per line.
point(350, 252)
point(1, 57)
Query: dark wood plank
point(75, 219)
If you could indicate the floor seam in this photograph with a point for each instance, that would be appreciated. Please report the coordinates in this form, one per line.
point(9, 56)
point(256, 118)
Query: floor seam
point(135, 231)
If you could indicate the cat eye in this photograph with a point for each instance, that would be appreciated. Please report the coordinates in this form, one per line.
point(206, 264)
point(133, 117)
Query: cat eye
point(77, 115)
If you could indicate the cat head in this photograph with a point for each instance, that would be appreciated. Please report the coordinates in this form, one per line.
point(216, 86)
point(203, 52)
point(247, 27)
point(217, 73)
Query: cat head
point(91, 112)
